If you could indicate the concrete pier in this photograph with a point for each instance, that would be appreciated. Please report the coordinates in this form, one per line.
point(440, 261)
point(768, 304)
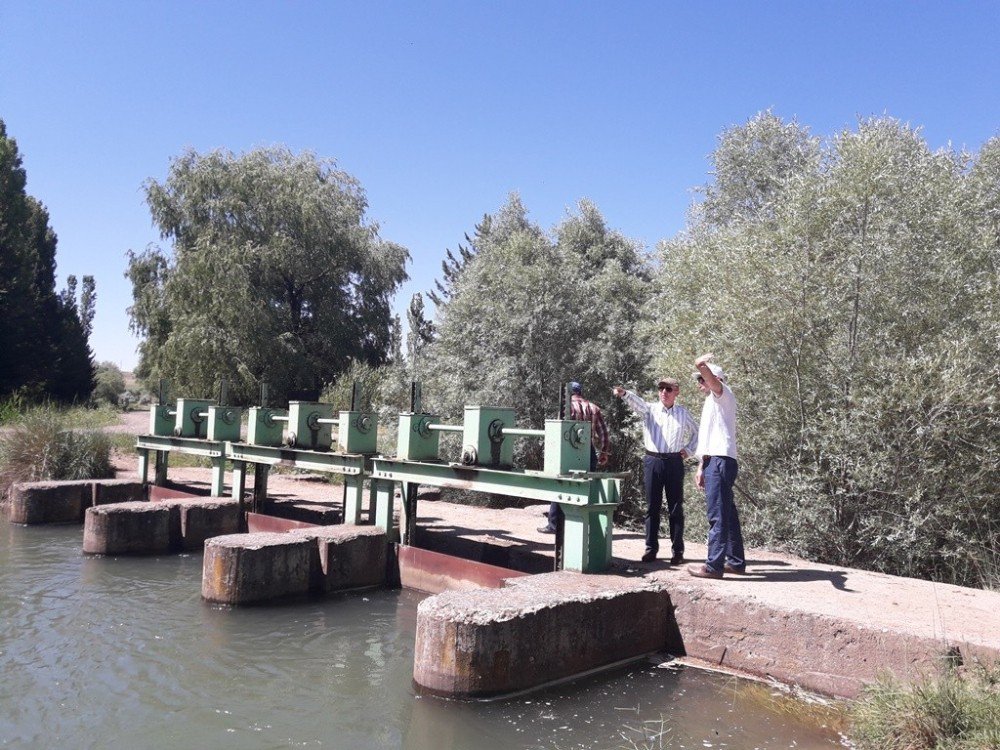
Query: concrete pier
point(128, 529)
point(346, 557)
point(246, 568)
point(50, 502)
point(536, 629)
point(155, 528)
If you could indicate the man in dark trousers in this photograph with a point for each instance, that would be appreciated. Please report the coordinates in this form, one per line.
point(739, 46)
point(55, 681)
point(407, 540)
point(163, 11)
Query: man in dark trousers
point(717, 471)
point(584, 411)
point(670, 435)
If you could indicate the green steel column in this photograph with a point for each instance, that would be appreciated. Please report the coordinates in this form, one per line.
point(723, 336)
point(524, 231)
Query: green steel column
point(239, 480)
point(143, 464)
point(385, 495)
point(218, 476)
point(352, 499)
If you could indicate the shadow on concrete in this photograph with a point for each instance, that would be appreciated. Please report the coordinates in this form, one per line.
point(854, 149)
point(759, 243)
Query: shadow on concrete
point(837, 578)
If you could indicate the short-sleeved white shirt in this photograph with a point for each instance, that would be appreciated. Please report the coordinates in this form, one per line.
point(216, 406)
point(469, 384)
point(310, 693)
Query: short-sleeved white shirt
point(717, 431)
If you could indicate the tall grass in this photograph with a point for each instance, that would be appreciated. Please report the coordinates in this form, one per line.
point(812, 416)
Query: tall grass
point(42, 445)
point(957, 711)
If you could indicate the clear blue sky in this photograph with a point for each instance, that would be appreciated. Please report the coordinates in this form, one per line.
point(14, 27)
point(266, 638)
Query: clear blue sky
point(441, 109)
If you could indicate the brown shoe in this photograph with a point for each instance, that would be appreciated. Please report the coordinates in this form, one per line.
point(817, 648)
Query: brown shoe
point(649, 556)
point(703, 571)
point(727, 568)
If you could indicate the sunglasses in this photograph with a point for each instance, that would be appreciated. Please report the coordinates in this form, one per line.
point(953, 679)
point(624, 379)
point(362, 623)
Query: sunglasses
point(667, 388)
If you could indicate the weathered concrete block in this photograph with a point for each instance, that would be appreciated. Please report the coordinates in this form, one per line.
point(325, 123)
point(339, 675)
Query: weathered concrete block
point(203, 519)
point(534, 630)
point(50, 502)
point(107, 491)
point(244, 568)
point(137, 528)
point(307, 512)
point(346, 557)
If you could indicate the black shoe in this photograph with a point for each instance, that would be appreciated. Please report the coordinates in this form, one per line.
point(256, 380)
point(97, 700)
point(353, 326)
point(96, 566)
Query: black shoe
point(546, 530)
point(649, 556)
point(677, 559)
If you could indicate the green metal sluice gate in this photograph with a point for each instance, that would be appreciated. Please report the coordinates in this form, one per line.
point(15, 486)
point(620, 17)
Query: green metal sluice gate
point(303, 437)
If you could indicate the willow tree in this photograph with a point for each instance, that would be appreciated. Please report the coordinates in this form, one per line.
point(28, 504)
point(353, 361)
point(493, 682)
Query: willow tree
point(276, 275)
point(849, 286)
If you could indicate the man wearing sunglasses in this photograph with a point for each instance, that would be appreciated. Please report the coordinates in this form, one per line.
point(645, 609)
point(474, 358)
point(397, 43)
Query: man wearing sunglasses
point(717, 470)
point(670, 435)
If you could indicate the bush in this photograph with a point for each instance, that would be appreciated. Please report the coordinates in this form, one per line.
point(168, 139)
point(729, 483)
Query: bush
point(958, 711)
point(40, 447)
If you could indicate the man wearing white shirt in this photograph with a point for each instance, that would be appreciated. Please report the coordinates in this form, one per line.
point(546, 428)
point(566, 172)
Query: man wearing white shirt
point(717, 470)
point(669, 435)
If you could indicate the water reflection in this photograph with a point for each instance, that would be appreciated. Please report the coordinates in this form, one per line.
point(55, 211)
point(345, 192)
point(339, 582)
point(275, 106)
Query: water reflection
point(123, 652)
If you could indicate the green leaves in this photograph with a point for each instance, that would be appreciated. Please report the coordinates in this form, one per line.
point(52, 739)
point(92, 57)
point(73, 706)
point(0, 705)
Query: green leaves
point(847, 287)
point(277, 276)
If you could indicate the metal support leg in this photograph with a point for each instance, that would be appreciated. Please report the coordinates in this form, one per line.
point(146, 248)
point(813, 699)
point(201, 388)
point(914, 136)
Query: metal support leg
point(352, 499)
point(408, 521)
point(239, 490)
point(260, 472)
point(218, 476)
point(385, 495)
point(587, 547)
point(143, 464)
point(162, 459)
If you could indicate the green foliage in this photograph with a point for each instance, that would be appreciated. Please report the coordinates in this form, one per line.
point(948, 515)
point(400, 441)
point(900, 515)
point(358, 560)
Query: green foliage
point(530, 311)
point(42, 337)
point(110, 383)
point(42, 446)
point(958, 711)
point(850, 289)
point(276, 275)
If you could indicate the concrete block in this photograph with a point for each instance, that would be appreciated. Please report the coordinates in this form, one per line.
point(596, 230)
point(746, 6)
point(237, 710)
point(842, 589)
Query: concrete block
point(245, 568)
point(137, 528)
point(205, 518)
point(316, 513)
point(50, 502)
point(107, 491)
point(346, 557)
point(534, 630)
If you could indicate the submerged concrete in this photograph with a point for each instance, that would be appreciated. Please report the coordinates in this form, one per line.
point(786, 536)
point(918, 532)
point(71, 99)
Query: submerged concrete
point(483, 642)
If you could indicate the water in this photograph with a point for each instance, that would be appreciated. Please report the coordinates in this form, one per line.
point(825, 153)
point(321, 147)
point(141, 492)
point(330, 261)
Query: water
point(122, 652)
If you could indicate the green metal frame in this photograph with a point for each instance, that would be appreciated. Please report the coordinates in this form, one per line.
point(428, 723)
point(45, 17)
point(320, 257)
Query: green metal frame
point(161, 446)
point(354, 467)
point(588, 500)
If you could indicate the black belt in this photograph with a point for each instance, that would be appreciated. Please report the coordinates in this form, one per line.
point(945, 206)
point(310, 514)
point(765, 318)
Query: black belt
point(654, 454)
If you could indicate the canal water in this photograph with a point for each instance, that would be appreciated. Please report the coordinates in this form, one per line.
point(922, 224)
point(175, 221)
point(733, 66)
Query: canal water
point(122, 652)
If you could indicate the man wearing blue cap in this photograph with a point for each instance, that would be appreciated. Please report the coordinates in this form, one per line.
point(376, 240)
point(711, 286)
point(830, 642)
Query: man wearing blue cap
point(585, 411)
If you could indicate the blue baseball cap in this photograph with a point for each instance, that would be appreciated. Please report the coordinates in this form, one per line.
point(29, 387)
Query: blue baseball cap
point(575, 387)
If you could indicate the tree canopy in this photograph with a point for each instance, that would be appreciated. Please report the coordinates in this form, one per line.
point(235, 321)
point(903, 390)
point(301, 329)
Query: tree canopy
point(43, 335)
point(276, 275)
point(530, 310)
point(850, 287)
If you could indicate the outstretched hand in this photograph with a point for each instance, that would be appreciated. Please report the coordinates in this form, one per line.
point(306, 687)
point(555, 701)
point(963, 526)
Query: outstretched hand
point(618, 391)
point(704, 359)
